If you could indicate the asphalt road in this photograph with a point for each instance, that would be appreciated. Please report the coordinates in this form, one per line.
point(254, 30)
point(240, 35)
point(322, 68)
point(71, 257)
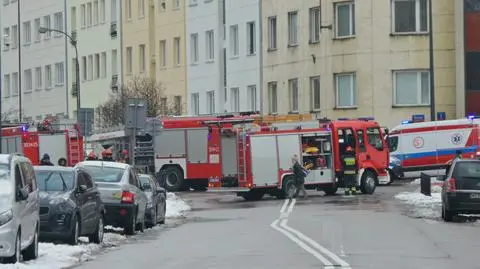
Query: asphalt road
point(363, 232)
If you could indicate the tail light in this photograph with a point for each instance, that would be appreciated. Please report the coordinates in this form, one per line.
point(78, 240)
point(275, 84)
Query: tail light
point(451, 185)
point(128, 197)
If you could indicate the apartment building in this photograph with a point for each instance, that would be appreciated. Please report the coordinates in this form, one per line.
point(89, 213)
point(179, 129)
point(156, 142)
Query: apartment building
point(358, 58)
point(33, 64)
point(206, 58)
point(96, 25)
point(170, 46)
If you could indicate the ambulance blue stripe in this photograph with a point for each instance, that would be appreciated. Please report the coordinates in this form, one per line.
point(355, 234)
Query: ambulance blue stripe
point(417, 155)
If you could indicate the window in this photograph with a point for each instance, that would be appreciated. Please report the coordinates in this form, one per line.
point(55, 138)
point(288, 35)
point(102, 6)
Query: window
point(141, 8)
point(47, 24)
point(114, 63)
point(292, 28)
point(6, 2)
point(176, 4)
point(83, 19)
point(6, 32)
point(84, 68)
point(411, 87)
point(234, 99)
point(177, 104)
point(73, 18)
point(163, 53)
point(210, 102)
point(129, 60)
point(103, 65)
point(141, 57)
point(163, 106)
point(97, 66)
point(272, 98)
point(128, 9)
point(314, 24)
point(251, 38)
point(209, 45)
point(315, 93)
point(193, 2)
point(6, 84)
point(361, 140)
point(14, 40)
point(89, 15)
point(410, 16)
point(293, 93)
point(14, 84)
point(59, 73)
point(194, 48)
point(346, 93)
point(58, 23)
point(38, 78)
point(113, 10)
point(102, 11)
point(162, 6)
point(27, 33)
point(252, 97)
point(234, 40)
point(176, 50)
point(345, 19)
point(272, 33)
point(37, 36)
point(90, 67)
point(95, 13)
point(374, 136)
point(195, 106)
point(27, 80)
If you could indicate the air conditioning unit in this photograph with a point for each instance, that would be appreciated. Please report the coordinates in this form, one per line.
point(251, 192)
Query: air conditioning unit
point(113, 29)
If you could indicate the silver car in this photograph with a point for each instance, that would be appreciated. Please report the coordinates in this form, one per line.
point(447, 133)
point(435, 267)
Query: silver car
point(19, 209)
point(121, 192)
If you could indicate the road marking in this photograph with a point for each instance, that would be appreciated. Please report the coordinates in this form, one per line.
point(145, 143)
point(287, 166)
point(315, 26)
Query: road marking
point(284, 206)
point(290, 208)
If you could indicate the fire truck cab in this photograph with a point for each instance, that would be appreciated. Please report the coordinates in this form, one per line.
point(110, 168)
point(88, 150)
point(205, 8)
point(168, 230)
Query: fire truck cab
point(257, 160)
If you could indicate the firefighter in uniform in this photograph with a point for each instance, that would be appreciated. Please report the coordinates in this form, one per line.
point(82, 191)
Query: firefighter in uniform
point(107, 155)
point(349, 171)
point(91, 156)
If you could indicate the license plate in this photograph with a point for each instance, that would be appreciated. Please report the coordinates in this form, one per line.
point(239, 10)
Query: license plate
point(475, 195)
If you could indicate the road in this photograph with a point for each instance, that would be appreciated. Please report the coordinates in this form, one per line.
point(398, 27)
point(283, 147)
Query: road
point(364, 232)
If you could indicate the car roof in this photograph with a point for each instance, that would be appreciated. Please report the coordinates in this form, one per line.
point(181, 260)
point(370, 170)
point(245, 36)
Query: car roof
point(467, 161)
point(104, 164)
point(53, 168)
point(6, 158)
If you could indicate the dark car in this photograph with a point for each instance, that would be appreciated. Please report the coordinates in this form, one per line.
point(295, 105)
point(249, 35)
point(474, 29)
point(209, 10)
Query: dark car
point(70, 205)
point(461, 189)
point(157, 200)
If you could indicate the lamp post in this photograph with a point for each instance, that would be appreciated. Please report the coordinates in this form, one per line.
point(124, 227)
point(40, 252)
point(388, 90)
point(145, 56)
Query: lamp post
point(73, 42)
point(432, 67)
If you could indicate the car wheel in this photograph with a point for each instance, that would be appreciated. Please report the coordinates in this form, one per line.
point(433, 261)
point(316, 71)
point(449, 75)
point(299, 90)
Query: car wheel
point(75, 233)
point(164, 213)
point(97, 237)
point(154, 219)
point(31, 252)
point(16, 257)
point(174, 180)
point(141, 225)
point(130, 227)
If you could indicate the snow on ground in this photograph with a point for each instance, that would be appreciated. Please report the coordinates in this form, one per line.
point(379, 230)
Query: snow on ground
point(421, 206)
point(433, 181)
point(57, 256)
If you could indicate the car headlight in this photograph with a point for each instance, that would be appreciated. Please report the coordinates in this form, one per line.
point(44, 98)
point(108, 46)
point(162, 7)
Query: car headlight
point(6, 217)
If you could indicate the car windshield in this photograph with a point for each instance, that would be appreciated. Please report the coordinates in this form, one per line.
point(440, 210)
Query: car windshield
point(55, 180)
point(145, 181)
point(105, 174)
point(392, 143)
point(470, 170)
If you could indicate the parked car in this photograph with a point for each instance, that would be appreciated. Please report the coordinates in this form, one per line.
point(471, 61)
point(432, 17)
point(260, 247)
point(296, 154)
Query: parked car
point(461, 189)
point(121, 192)
point(19, 209)
point(70, 205)
point(157, 200)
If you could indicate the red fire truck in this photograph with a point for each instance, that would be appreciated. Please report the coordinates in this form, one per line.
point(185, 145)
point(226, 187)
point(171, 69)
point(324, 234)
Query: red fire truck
point(257, 160)
point(60, 143)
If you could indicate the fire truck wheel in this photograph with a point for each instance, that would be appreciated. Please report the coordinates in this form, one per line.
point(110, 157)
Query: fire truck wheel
point(331, 190)
point(174, 179)
point(288, 185)
point(368, 182)
point(253, 195)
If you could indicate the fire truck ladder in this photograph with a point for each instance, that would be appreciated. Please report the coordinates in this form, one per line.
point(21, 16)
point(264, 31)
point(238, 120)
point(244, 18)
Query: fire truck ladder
point(75, 149)
point(241, 158)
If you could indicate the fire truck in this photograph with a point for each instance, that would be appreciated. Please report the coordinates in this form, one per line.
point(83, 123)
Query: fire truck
point(61, 142)
point(257, 160)
point(184, 150)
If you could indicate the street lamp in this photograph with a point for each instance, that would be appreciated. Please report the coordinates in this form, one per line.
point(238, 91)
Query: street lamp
point(73, 42)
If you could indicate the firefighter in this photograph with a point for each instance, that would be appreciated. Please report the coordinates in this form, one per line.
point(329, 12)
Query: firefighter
point(299, 173)
point(91, 156)
point(349, 171)
point(46, 160)
point(107, 155)
point(124, 156)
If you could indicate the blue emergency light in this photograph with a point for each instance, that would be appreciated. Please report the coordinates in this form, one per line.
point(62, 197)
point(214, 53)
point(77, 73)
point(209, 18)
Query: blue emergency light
point(471, 117)
point(406, 122)
point(24, 128)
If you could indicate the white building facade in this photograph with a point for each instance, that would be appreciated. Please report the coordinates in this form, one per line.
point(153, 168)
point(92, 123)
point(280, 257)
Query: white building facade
point(205, 56)
point(36, 75)
point(96, 24)
point(243, 55)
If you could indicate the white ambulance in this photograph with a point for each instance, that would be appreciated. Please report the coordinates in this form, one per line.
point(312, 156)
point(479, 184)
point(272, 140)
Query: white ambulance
point(429, 146)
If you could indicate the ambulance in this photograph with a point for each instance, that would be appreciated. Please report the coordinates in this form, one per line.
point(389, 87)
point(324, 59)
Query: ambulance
point(428, 146)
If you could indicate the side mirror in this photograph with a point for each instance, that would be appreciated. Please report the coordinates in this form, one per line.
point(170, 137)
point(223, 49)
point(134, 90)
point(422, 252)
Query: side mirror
point(82, 188)
point(22, 195)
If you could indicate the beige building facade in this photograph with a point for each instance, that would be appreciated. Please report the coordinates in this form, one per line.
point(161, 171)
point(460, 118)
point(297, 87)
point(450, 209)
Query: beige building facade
point(153, 46)
point(358, 58)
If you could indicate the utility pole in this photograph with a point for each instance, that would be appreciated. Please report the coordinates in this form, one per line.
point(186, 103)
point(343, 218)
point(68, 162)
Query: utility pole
point(432, 63)
point(19, 47)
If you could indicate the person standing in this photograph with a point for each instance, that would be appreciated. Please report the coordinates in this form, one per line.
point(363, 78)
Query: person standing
point(299, 174)
point(46, 160)
point(349, 171)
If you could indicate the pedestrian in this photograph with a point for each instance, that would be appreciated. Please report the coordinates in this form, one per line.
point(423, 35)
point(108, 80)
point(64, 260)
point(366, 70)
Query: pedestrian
point(46, 160)
point(92, 156)
point(299, 173)
point(349, 171)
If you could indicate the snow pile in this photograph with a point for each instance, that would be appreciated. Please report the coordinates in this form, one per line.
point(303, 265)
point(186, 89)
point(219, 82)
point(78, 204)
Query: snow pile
point(176, 207)
point(422, 206)
point(433, 181)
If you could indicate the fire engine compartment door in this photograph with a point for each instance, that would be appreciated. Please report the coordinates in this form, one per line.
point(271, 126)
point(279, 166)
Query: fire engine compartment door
point(197, 145)
point(11, 144)
point(170, 143)
point(264, 156)
point(229, 156)
point(54, 145)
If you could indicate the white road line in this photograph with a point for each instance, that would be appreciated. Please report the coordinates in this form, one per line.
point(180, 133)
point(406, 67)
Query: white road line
point(316, 254)
point(290, 208)
point(284, 206)
point(313, 243)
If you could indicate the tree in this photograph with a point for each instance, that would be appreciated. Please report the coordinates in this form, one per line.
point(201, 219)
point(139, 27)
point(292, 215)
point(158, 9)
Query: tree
point(111, 112)
point(10, 115)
